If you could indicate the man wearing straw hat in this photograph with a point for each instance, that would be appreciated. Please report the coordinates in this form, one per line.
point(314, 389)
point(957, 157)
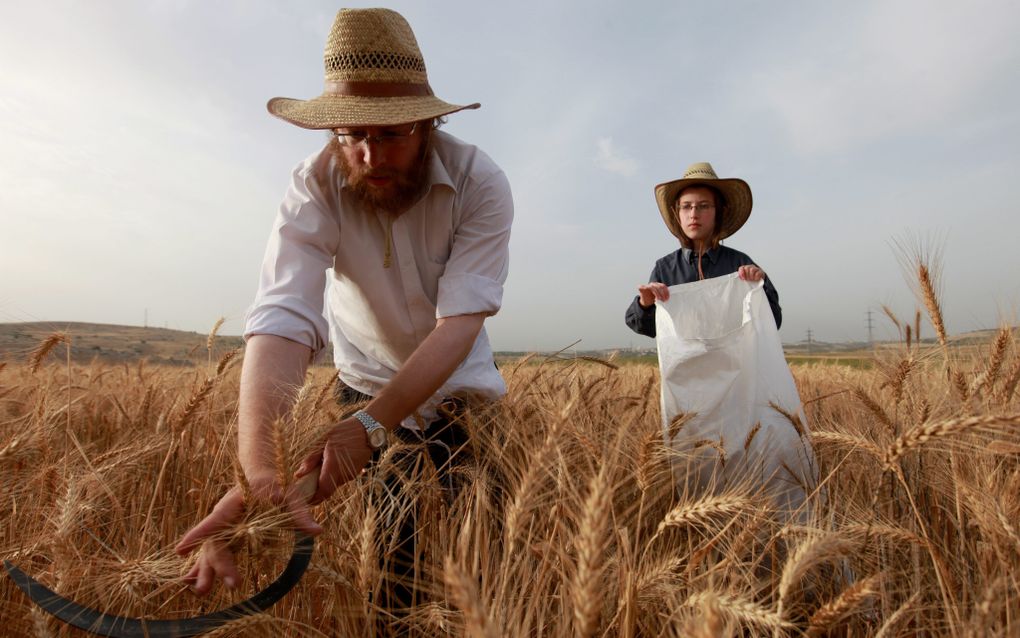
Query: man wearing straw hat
point(407, 230)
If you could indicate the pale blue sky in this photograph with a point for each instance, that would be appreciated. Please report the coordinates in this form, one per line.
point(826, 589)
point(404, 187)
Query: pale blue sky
point(139, 168)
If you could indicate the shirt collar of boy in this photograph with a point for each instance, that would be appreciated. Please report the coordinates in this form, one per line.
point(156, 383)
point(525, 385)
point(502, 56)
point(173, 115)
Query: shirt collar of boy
point(691, 257)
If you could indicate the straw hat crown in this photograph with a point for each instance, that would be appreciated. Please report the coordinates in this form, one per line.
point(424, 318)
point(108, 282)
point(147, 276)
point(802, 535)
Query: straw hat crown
point(735, 191)
point(374, 76)
point(373, 45)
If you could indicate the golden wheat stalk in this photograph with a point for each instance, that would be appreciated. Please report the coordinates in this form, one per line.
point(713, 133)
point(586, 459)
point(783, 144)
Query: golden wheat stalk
point(742, 609)
point(194, 403)
point(211, 339)
point(960, 385)
point(751, 434)
point(368, 558)
point(897, 616)
point(601, 362)
point(874, 408)
point(863, 531)
point(1012, 379)
point(816, 548)
point(898, 380)
point(705, 510)
point(677, 423)
point(927, 281)
point(920, 435)
point(35, 358)
point(999, 346)
point(845, 439)
point(923, 410)
point(792, 418)
point(893, 318)
point(465, 596)
point(226, 360)
point(849, 602)
point(586, 588)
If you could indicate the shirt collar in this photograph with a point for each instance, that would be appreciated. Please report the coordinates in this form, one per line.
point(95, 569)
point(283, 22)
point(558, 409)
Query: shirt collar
point(438, 175)
point(692, 257)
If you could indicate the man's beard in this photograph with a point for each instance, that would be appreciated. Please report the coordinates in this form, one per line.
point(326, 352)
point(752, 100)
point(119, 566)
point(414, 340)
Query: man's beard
point(400, 194)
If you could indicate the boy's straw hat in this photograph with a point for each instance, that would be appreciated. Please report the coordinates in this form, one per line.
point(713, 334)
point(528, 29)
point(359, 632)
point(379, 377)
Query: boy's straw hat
point(375, 76)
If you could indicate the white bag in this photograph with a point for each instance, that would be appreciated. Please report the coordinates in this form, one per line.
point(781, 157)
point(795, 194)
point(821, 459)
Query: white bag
point(721, 365)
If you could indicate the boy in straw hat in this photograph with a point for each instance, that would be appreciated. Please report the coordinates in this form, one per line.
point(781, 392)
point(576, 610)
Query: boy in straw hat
point(701, 210)
point(406, 228)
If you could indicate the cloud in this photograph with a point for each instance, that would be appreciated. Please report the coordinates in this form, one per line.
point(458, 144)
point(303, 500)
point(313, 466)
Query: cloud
point(609, 159)
point(903, 67)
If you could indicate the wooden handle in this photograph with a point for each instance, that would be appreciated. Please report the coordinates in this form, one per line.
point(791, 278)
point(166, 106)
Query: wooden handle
point(308, 484)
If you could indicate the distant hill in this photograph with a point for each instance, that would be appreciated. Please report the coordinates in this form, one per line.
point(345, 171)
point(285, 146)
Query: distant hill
point(112, 344)
point(117, 344)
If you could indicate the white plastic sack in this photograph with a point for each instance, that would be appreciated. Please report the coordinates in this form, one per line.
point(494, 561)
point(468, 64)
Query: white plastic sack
point(721, 364)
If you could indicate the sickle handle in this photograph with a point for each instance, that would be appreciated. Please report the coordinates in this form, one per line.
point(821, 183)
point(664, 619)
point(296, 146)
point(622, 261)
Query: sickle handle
point(308, 484)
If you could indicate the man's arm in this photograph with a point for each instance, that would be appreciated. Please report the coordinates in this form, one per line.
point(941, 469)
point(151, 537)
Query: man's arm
point(427, 369)
point(273, 369)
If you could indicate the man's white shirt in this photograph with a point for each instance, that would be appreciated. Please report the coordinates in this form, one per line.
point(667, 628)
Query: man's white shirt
point(388, 279)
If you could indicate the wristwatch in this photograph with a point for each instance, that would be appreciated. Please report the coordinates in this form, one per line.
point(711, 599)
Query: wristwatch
point(378, 437)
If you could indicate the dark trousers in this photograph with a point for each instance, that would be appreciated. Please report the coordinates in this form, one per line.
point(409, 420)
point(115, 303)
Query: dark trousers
point(445, 444)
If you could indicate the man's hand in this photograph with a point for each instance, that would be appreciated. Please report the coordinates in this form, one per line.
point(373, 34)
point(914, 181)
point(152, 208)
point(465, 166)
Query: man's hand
point(346, 452)
point(217, 560)
point(652, 292)
point(750, 273)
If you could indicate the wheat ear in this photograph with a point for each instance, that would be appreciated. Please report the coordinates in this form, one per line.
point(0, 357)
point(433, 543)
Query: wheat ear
point(742, 609)
point(921, 434)
point(226, 360)
point(211, 339)
point(195, 402)
point(465, 596)
point(999, 347)
point(847, 603)
point(931, 302)
point(874, 408)
point(586, 588)
point(35, 358)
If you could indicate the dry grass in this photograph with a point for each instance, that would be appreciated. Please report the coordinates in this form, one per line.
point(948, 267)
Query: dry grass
point(569, 524)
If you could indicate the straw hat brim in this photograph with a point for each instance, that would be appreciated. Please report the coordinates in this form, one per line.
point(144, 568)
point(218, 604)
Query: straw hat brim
point(334, 111)
point(736, 192)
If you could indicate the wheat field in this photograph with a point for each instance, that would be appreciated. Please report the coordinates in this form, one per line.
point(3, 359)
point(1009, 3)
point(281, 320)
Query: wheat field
point(569, 523)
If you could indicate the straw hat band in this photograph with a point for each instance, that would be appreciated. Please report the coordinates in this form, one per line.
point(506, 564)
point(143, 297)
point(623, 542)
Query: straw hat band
point(378, 89)
point(351, 61)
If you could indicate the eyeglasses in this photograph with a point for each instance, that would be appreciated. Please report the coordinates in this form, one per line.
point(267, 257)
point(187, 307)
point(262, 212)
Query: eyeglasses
point(392, 136)
point(701, 207)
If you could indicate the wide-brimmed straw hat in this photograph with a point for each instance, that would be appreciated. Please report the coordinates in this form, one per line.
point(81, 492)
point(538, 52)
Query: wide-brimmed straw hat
point(375, 76)
point(735, 191)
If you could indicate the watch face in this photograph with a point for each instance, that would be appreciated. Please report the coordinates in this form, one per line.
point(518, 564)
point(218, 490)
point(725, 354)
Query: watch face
point(377, 438)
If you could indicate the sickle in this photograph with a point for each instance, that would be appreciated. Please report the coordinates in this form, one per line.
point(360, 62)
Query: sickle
point(101, 624)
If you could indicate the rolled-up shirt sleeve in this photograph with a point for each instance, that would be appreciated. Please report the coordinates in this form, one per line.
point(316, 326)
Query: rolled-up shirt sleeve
point(480, 255)
point(292, 281)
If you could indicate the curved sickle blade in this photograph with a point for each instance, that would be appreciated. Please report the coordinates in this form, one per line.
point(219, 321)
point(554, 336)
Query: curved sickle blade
point(101, 624)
